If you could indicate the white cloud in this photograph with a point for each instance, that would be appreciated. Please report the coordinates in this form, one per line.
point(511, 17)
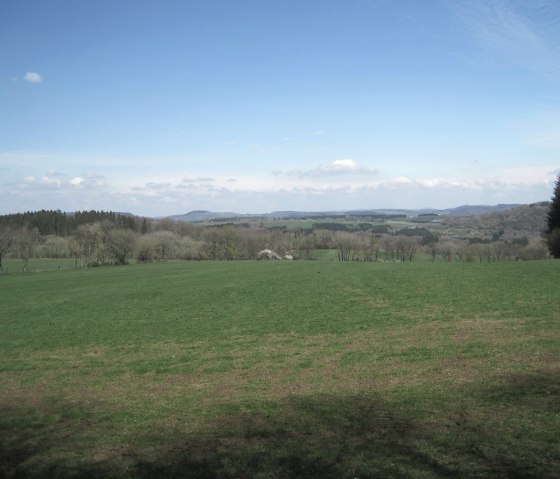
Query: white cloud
point(197, 179)
point(89, 180)
point(56, 180)
point(76, 181)
point(33, 77)
point(334, 168)
point(45, 181)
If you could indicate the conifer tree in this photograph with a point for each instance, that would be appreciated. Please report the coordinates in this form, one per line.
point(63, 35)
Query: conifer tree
point(553, 222)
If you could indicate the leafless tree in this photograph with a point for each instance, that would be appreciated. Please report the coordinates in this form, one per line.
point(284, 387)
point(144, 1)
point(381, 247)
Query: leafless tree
point(389, 247)
point(229, 242)
point(307, 245)
point(26, 241)
point(405, 247)
point(211, 239)
point(346, 245)
point(251, 241)
point(121, 243)
point(368, 245)
point(7, 238)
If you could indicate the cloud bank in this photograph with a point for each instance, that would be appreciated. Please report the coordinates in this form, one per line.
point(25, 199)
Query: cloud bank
point(174, 194)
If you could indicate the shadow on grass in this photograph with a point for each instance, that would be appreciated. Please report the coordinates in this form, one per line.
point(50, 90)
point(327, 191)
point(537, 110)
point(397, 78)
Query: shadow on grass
point(323, 436)
point(536, 390)
point(320, 437)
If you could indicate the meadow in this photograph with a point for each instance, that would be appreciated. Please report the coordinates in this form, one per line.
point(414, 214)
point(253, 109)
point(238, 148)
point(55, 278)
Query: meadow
point(315, 369)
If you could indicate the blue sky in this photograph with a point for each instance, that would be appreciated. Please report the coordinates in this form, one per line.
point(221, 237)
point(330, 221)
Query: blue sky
point(253, 106)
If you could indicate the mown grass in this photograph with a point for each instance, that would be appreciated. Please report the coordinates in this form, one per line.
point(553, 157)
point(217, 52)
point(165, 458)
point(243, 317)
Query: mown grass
point(302, 369)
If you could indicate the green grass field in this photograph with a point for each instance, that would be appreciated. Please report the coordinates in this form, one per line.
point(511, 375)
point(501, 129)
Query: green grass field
point(12, 265)
point(311, 369)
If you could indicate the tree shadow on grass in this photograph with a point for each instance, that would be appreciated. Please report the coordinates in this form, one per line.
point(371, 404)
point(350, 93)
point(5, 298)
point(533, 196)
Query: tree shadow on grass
point(355, 437)
point(538, 389)
point(320, 436)
point(32, 438)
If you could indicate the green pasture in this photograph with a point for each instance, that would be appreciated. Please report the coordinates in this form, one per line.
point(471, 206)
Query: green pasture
point(316, 369)
point(13, 265)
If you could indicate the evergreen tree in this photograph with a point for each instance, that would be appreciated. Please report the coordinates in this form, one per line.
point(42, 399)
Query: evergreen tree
point(553, 223)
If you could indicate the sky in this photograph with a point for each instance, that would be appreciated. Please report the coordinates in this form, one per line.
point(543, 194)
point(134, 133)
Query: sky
point(253, 106)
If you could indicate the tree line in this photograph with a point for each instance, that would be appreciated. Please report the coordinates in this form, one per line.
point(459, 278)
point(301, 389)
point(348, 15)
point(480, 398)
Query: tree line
point(97, 238)
point(56, 222)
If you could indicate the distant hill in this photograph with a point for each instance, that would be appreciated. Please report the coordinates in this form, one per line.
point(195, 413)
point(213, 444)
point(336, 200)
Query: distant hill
point(202, 215)
point(522, 220)
point(465, 210)
point(472, 210)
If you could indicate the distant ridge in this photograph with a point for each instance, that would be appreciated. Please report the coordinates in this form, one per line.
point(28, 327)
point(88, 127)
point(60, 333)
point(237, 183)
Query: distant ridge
point(464, 210)
point(473, 210)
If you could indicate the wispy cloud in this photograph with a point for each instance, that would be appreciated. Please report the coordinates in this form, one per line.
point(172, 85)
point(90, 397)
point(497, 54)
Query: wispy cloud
point(53, 180)
point(33, 77)
point(89, 180)
point(508, 30)
point(334, 168)
point(197, 179)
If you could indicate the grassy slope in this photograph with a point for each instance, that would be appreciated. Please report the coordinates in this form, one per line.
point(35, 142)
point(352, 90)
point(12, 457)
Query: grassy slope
point(315, 369)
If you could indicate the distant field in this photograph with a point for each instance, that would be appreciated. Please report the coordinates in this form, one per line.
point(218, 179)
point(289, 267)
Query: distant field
point(12, 265)
point(314, 369)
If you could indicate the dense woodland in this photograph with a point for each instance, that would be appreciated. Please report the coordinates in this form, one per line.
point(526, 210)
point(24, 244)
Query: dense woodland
point(96, 238)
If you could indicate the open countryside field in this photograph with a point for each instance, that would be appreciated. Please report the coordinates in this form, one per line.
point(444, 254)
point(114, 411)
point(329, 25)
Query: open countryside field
point(290, 369)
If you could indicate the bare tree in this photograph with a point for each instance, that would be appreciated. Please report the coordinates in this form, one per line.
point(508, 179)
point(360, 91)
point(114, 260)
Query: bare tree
point(211, 242)
point(346, 245)
point(324, 239)
point(405, 247)
point(192, 249)
point(229, 242)
point(281, 242)
point(146, 248)
point(389, 247)
point(157, 246)
point(251, 241)
point(120, 243)
point(53, 247)
point(307, 245)
point(7, 238)
point(368, 245)
point(26, 241)
point(165, 244)
point(447, 251)
point(75, 250)
point(90, 241)
point(432, 247)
